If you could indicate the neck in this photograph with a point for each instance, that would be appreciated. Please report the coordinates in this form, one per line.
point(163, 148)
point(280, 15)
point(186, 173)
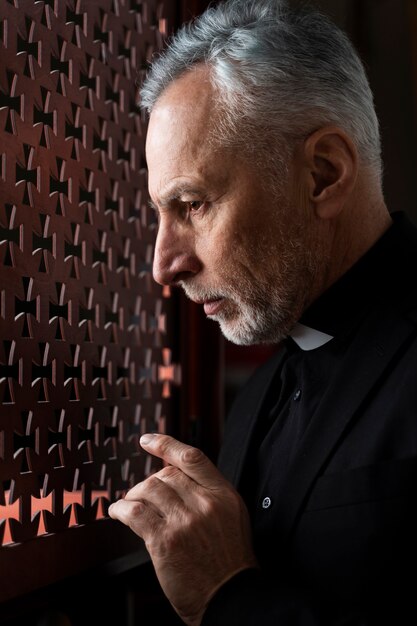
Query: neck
point(356, 229)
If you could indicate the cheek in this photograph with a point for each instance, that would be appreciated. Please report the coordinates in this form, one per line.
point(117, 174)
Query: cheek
point(237, 244)
point(216, 245)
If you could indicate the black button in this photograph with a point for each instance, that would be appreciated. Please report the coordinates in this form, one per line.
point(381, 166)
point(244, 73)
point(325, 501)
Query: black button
point(297, 395)
point(266, 503)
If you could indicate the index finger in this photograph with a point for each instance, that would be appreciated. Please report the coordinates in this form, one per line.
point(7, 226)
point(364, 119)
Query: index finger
point(188, 459)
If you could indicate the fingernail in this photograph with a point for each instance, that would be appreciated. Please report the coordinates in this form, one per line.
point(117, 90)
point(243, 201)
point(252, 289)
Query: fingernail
point(146, 439)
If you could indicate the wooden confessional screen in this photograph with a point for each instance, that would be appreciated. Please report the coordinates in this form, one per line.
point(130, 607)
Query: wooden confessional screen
point(86, 355)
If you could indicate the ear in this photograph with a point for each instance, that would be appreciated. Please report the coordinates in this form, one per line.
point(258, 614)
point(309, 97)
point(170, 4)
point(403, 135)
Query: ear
point(331, 166)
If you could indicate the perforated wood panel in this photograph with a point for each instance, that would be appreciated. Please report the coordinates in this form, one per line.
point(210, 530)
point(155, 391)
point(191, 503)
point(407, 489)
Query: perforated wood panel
point(85, 357)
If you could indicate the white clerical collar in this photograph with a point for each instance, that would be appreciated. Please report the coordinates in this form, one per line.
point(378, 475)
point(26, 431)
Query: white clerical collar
point(308, 338)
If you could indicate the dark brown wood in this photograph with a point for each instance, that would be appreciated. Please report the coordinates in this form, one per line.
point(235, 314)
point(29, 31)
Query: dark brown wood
point(54, 557)
point(86, 361)
point(90, 350)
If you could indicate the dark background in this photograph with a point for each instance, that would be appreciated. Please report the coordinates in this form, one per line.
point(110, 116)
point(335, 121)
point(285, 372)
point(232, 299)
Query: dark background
point(385, 33)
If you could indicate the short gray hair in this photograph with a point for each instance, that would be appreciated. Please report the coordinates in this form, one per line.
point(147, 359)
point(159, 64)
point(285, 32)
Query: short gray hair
point(278, 73)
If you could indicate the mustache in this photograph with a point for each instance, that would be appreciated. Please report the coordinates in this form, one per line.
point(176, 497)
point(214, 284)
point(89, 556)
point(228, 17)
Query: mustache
point(197, 293)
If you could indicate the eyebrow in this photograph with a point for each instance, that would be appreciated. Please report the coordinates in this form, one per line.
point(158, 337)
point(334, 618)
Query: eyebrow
point(152, 205)
point(176, 194)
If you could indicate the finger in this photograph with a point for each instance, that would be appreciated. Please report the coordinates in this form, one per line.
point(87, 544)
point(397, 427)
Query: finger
point(188, 459)
point(142, 519)
point(157, 493)
point(183, 485)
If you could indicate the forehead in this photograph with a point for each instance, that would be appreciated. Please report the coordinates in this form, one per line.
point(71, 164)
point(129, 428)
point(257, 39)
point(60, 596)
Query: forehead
point(188, 101)
point(197, 77)
point(178, 139)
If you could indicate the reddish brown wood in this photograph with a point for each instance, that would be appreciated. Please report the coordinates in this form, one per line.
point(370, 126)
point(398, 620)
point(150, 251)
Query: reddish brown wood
point(90, 347)
point(85, 357)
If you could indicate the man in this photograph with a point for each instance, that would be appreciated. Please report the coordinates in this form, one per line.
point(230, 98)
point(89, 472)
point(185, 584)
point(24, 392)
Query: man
point(264, 167)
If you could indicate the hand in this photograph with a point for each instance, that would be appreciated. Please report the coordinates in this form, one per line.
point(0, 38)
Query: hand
point(194, 524)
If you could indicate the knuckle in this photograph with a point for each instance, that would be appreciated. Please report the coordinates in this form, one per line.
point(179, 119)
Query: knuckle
point(192, 456)
point(209, 507)
point(152, 482)
point(169, 472)
point(136, 509)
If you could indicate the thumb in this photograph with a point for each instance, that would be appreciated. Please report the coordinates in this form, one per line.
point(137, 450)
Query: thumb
point(192, 461)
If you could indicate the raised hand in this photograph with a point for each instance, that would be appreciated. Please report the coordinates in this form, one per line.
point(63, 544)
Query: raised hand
point(194, 524)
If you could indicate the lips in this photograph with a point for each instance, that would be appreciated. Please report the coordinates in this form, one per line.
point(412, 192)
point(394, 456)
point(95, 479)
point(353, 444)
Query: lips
point(212, 306)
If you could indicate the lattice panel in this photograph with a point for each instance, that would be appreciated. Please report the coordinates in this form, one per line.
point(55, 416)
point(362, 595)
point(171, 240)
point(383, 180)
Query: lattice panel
point(85, 357)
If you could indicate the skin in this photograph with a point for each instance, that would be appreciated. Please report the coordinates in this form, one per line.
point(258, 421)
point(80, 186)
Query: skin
point(224, 237)
point(236, 248)
point(194, 524)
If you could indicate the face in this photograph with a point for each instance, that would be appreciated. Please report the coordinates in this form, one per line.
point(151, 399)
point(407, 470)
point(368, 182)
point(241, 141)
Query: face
point(240, 250)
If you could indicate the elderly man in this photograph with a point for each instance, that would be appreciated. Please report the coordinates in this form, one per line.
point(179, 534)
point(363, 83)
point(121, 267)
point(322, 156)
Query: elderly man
point(264, 167)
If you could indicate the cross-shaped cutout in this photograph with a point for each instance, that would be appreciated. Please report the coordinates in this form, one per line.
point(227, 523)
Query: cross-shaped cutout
point(10, 236)
point(13, 103)
point(26, 175)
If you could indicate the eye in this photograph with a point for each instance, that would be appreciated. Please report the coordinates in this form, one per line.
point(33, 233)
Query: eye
point(194, 205)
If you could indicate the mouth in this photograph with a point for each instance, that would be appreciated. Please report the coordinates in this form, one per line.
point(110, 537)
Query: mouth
point(212, 302)
point(211, 307)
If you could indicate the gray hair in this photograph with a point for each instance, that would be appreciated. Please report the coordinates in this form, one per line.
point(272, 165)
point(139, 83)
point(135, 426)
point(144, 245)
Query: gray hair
point(279, 74)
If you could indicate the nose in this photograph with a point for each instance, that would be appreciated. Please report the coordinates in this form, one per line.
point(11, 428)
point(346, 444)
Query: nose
point(174, 258)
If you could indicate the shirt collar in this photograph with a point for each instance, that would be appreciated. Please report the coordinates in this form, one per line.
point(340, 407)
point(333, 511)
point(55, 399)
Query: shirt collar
point(338, 310)
point(308, 338)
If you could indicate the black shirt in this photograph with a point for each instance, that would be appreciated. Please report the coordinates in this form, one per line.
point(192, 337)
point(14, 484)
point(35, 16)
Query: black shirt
point(300, 382)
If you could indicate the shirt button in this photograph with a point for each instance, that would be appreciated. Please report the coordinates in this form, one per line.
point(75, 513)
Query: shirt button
point(297, 395)
point(266, 503)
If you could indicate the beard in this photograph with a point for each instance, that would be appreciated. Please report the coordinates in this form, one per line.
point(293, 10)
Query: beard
point(265, 309)
point(249, 315)
point(266, 281)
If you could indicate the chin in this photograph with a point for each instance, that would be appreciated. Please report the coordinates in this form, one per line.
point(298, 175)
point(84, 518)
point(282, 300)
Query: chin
point(243, 336)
